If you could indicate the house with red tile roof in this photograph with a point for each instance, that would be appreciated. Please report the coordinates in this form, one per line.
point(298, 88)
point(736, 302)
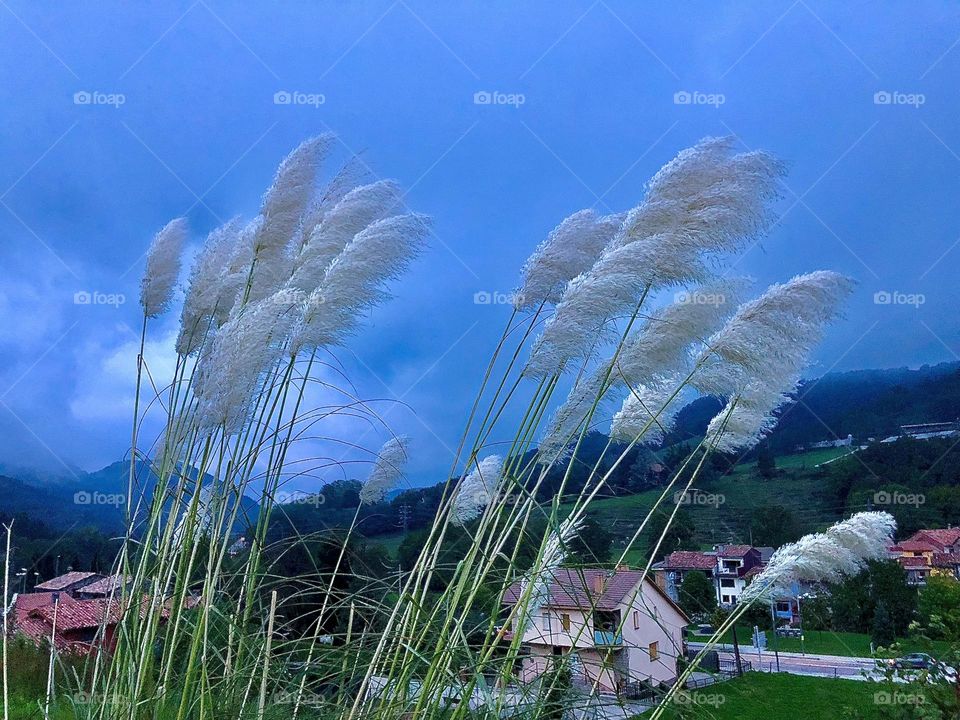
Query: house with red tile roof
point(617, 627)
point(69, 582)
point(82, 625)
point(670, 572)
point(110, 586)
point(78, 623)
point(928, 552)
point(727, 566)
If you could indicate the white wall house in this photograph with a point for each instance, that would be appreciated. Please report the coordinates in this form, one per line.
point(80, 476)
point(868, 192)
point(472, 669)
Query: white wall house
point(616, 633)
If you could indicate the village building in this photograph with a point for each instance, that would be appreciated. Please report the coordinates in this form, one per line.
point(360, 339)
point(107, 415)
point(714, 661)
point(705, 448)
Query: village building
point(617, 633)
point(69, 583)
point(929, 552)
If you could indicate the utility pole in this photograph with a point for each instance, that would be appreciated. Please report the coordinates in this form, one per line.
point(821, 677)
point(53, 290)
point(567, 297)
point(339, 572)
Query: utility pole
point(736, 642)
point(773, 619)
point(405, 517)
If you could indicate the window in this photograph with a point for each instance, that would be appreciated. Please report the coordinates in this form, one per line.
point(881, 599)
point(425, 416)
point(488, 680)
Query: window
point(546, 620)
point(783, 606)
point(654, 651)
point(636, 619)
point(565, 622)
point(726, 582)
point(725, 599)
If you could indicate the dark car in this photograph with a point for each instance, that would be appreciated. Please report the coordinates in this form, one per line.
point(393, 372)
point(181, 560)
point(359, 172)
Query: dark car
point(915, 661)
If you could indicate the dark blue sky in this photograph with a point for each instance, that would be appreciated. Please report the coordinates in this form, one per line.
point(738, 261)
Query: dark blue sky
point(176, 114)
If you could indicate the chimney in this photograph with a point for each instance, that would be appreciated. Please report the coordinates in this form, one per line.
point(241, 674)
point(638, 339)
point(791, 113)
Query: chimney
point(623, 567)
point(598, 583)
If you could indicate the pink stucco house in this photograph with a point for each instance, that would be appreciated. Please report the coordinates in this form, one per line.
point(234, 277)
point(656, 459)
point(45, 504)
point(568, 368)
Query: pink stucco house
point(616, 632)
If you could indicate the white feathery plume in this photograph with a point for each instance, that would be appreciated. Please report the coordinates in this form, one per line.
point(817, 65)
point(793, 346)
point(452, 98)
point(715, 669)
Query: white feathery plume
point(704, 202)
point(244, 348)
point(357, 210)
point(569, 250)
point(708, 193)
point(209, 294)
point(648, 412)
point(541, 577)
point(352, 173)
point(868, 534)
point(665, 343)
point(163, 267)
point(354, 280)
point(387, 470)
point(278, 225)
point(841, 551)
point(663, 346)
point(748, 418)
point(757, 357)
point(567, 421)
point(773, 334)
point(477, 489)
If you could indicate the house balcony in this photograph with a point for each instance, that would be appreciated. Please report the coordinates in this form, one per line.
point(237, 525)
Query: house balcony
point(607, 638)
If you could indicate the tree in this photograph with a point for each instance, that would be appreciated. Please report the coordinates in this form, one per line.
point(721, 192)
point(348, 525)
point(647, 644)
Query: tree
point(854, 602)
point(774, 525)
point(555, 687)
point(939, 607)
point(882, 634)
point(766, 461)
point(697, 595)
point(591, 544)
point(679, 536)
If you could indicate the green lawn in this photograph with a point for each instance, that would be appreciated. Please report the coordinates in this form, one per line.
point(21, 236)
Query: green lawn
point(778, 696)
point(826, 642)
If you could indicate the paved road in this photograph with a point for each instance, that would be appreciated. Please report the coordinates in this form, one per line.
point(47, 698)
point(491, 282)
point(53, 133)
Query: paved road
point(797, 663)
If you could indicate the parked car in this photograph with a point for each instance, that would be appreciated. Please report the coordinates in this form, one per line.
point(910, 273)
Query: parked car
point(915, 661)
